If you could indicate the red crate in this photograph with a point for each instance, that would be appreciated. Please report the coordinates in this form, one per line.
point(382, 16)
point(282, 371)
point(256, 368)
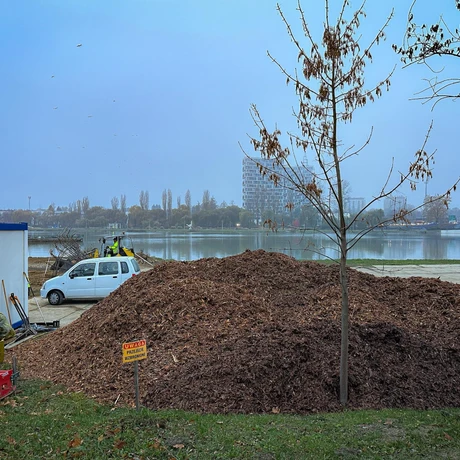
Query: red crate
point(6, 383)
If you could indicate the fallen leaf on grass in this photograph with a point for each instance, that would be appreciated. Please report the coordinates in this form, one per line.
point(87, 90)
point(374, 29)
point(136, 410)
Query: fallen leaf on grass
point(119, 444)
point(155, 445)
point(75, 442)
point(10, 402)
point(110, 432)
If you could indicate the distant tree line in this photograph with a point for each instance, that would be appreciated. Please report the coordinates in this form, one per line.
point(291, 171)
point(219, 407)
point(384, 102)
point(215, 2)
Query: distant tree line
point(80, 214)
point(204, 214)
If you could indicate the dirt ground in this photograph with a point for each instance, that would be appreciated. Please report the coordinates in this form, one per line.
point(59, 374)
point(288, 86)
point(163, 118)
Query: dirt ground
point(39, 272)
point(260, 332)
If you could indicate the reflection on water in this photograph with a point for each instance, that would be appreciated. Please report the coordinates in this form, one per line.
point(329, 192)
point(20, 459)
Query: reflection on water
point(194, 245)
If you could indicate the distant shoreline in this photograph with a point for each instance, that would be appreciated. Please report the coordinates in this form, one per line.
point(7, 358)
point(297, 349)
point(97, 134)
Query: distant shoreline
point(350, 262)
point(52, 239)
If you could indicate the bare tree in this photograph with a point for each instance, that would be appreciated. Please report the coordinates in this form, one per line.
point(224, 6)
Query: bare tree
point(422, 43)
point(206, 201)
point(123, 204)
point(435, 209)
point(330, 86)
point(164, 200)
point(188, 200)
point(85, 205)
point(115, 203)
point(51, 211)
point(170, 200)
point(144, 200)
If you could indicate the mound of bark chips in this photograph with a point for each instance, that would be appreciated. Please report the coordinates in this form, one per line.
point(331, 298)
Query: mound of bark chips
point(260, 332)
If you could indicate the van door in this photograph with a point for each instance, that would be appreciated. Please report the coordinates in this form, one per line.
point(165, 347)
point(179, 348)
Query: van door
point(108, 278)
point(81, 281)
point(125, 272)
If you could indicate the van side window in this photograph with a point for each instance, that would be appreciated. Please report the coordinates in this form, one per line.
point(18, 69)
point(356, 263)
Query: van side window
point(124, 267)
point(108, 268)
point(135, 265)
point(83, 270)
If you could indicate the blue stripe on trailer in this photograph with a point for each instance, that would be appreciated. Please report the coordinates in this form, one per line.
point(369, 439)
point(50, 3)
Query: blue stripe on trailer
point(13, 226)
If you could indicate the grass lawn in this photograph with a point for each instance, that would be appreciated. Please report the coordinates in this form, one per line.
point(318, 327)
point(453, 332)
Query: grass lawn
point(44, 421)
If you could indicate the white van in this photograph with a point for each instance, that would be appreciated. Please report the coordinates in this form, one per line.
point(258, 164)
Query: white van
point(90, 279)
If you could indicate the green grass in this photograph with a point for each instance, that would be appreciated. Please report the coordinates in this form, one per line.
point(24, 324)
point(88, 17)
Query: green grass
point(43, 421)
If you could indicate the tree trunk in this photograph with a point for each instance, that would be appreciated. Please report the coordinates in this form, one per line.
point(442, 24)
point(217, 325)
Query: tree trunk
point(344, 325)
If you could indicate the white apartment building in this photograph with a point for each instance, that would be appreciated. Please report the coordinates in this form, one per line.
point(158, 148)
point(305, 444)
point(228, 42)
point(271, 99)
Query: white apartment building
point(259, 192)
point(353, 205)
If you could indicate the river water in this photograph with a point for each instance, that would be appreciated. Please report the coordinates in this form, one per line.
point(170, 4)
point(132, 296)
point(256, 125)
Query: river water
point(182, 245)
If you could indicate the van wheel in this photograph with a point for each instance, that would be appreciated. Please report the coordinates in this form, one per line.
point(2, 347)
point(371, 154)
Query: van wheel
point(55, 298)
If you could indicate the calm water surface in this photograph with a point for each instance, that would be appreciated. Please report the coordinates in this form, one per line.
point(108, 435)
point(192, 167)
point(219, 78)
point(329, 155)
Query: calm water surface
point(195, 245)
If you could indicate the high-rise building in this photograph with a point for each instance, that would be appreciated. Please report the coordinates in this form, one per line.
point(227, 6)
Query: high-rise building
point(261, 195)
point(353, 205)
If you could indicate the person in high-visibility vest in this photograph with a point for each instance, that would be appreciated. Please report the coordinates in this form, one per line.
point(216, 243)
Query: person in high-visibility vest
point(113, 250)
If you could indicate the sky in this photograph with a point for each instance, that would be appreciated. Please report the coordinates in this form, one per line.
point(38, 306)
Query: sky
point(112, 97)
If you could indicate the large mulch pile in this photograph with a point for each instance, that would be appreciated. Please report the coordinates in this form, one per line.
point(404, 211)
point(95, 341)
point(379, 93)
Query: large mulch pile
point(260, 332)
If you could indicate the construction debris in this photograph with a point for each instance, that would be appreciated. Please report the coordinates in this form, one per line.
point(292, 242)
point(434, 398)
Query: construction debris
point(67, 251)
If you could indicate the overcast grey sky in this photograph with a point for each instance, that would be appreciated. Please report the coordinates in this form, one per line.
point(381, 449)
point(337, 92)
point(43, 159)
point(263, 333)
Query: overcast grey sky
point(158, 94)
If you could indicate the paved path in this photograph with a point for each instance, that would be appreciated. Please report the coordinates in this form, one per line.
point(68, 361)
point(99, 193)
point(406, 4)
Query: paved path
point(41, 311)
point(449, 273)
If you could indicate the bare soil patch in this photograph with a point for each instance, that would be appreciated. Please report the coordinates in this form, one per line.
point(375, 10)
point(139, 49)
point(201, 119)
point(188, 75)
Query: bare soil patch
point(39, 271)
point(260, 332)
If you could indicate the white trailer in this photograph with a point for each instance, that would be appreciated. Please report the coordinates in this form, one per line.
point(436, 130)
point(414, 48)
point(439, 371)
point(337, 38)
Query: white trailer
point(13, 267)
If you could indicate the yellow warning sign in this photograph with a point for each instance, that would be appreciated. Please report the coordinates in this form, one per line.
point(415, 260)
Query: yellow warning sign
point(134, 351)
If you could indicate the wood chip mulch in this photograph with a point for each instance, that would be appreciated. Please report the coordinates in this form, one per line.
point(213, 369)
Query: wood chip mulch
point(260, 332)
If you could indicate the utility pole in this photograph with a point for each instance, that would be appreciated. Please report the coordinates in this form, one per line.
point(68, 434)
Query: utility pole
point(29, 201)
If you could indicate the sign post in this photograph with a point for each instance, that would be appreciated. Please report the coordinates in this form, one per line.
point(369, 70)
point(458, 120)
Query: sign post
point(134, 352)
